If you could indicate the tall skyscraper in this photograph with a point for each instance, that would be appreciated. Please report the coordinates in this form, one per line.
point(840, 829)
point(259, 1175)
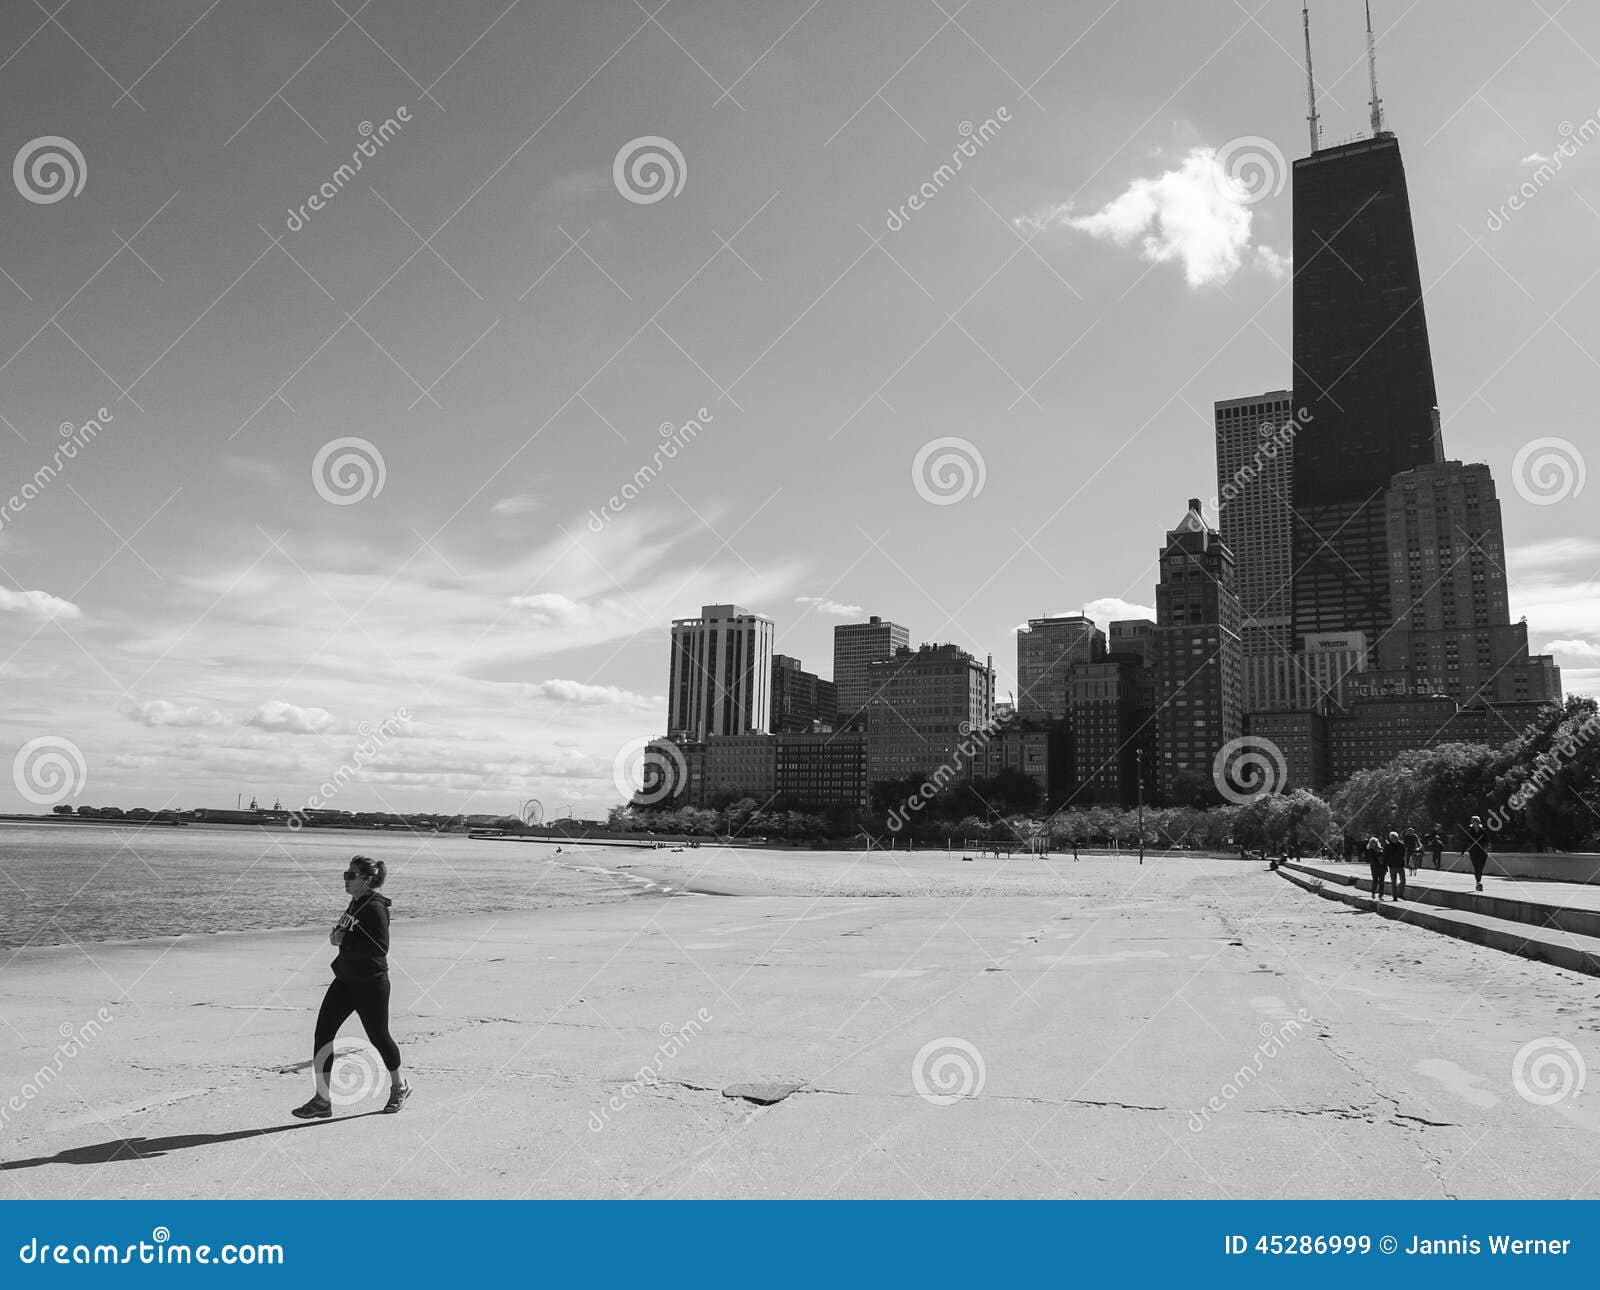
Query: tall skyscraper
point(1452, 630)
point(856, 647)
point(801, 700)
point(925, 703)
point(720, 677)
point(1198, 654)
point(1363, 375)
point(1255, 474)
point(1047, 651)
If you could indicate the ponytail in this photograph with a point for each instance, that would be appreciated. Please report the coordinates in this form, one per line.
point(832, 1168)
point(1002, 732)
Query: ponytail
point(374, 871)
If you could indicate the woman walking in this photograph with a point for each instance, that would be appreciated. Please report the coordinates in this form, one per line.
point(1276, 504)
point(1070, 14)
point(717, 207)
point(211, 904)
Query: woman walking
point(360, 985)
point(1476, 848)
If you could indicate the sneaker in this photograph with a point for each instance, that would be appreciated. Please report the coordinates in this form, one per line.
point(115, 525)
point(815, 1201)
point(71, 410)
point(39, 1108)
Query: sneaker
point(397, 1098)
point(315, 1109)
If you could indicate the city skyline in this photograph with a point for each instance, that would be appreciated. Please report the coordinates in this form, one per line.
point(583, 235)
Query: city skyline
point(241, 629)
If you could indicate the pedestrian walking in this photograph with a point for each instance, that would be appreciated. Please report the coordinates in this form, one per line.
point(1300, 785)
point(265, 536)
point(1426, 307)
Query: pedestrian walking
point(1394, 859)
point(1435, 844)
point(360, 985)
point(1476, 848)
point(1413, 848)
point(1376, 865)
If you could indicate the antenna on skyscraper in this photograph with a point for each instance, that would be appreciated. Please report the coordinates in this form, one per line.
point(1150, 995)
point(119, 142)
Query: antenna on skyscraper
point(1372, 72)
point(1311, 81)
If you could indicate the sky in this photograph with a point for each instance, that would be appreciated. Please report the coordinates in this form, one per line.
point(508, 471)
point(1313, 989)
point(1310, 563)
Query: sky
point(349, 447)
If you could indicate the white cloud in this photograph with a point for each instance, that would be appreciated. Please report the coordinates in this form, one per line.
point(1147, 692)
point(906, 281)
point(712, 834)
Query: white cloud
point(37, 606)
point(280, 717)
point(522, 504)
point(832, 608)
point(1109, 608)
point(1197, 214)
point(1537, 158)
point(1574, 649)
point(159, 712)
point(577, 692)
point(550, 608)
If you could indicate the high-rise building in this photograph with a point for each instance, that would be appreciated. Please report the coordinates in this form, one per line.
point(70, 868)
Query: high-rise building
point(822, 770)
point(927, 705)
point(801, 700)
point(1452, 631)
point(1255, 479)
point(1105, 724)
point(720, 677)
point(1047, 650)
point(856, 647)
point(1198, 654)
point(1363, 376)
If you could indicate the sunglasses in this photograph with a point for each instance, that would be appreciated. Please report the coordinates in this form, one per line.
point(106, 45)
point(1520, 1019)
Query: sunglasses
point(349, 874)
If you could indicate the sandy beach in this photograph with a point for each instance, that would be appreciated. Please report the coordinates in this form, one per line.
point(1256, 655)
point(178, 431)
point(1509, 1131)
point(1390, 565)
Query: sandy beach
point(1089, 1011)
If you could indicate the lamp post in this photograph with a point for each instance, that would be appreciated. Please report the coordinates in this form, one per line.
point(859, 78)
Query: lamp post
point(1138, 779)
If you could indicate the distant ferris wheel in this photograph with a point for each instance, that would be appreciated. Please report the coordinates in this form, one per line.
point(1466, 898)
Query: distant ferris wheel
point(533, 812)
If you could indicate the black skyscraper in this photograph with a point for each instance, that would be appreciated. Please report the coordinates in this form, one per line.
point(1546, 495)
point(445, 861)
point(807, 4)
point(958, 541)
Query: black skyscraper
point(1363, 371)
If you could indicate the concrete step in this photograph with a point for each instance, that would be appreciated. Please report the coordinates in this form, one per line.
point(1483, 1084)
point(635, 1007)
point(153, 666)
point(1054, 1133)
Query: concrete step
point(1545, 944)
point(1567, 907)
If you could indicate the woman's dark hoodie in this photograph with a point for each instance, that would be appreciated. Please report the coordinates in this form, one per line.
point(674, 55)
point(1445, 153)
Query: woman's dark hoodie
point(364, 952)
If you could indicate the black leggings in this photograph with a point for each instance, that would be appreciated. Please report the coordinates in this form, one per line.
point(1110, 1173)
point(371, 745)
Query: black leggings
point(370, 1001)
point(1378, 870)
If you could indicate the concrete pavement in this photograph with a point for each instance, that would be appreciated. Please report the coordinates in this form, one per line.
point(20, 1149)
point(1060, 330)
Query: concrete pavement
point(1191, 1028)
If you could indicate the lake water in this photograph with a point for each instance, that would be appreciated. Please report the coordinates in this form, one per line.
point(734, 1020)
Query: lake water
point(65, 883)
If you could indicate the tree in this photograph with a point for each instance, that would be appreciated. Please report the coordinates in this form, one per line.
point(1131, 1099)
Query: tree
point(63, 809)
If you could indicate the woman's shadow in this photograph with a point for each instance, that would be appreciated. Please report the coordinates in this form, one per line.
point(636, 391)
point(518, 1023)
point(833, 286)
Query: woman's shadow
point(149, 1148)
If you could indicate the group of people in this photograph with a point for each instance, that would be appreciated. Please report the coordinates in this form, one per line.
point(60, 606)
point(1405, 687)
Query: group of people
point(1393, 857)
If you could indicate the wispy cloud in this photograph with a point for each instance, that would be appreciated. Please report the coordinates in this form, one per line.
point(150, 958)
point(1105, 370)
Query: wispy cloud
point(161, 712)
point(37, 606)
point(521, 504)
point(832, 608)
point(591, 696)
